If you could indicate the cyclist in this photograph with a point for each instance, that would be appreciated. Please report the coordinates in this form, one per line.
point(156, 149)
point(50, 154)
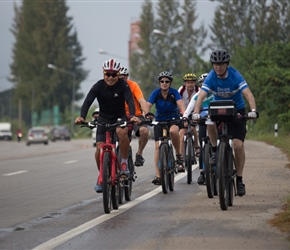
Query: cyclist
point(226, 83)
point(141, 131)
point(111, 93)
point(187, 91)
point(202, 127)
point(168, 105)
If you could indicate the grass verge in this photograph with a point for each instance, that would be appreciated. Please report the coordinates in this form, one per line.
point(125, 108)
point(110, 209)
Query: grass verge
point(281, 220)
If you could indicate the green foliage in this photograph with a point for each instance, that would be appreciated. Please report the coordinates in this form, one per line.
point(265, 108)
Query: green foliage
point(260, 21)
point(44, 34)
point(175, 48)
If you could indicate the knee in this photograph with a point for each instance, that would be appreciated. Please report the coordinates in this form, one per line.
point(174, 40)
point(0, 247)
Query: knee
point(144, 132)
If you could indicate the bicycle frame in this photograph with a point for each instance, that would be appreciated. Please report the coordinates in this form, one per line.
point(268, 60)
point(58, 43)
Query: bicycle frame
point(108, 146)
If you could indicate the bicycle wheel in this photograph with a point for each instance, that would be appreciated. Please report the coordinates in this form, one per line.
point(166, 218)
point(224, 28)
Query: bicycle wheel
point(121, 186)
point(231, 177)
point(128, 182)
point(189, 155)
point(107, 183)
point(163, 163)
point(209, 175)
point(215, 178)
point(171, 170)
point(115, 193)
point(223, 176)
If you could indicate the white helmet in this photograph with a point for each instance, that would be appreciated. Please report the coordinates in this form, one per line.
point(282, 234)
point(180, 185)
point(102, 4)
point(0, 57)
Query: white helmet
point(202, 77)
point(111, 65)
point(165, 74)
point(124, 71)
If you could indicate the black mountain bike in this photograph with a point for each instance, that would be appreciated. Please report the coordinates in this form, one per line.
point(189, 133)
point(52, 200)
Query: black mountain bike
point(225, 111)
point(211, 177)
point(166, 162)
point(189, 150)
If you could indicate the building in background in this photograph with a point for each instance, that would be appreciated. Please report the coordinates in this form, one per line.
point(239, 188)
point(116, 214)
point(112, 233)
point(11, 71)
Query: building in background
point(134, 38)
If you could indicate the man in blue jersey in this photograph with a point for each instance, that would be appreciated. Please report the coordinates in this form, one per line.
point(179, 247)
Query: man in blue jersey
point(226, 83)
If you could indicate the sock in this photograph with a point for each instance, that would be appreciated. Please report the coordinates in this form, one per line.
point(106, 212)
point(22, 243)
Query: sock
point(240, 178)
point(124, 160)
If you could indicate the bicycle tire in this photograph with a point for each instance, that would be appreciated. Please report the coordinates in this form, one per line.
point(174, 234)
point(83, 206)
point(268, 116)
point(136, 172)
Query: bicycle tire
point(163, 163)
point(223, 177)
point(188, 156)
point(121, 186)
point(215, 192)
point(115, 193)
point(171, 171)
point(107, 201)
point(128, 182)
point(231, 177)
point(209, 178)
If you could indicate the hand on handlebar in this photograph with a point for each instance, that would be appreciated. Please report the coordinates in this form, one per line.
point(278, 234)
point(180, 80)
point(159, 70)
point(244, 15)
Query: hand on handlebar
point(150, 116)
point(184, 121)
point(253, 114)
point(195, 117)
point(135, 119)
point(79, 120)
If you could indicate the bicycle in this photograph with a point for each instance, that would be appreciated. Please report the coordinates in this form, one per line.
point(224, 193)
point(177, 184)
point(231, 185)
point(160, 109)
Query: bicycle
point(211, 176)
point(109, 176)
point(189, 151)
point(225, 111)
point(126, 186)
point(166, 160)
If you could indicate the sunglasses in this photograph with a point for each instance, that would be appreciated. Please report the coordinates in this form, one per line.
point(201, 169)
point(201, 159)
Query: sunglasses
point(110, 74)
point(165, 81)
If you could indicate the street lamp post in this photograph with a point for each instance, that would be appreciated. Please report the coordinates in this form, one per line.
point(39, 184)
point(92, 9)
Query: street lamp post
point(103, 52)
point(51, 66)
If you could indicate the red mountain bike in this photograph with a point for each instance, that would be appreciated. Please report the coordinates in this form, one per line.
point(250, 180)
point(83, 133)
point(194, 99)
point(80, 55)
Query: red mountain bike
point(109, 176)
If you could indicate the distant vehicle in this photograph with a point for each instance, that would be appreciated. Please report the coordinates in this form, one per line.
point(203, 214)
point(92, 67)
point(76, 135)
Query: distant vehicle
point(37, 135)
point(5, 131)
point(59, 133)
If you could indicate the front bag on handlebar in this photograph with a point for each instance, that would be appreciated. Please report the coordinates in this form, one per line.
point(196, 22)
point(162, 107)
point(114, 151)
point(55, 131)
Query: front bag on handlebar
point(224, 110)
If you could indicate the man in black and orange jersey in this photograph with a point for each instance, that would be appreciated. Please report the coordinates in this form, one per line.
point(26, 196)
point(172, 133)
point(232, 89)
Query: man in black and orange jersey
point(141, 109)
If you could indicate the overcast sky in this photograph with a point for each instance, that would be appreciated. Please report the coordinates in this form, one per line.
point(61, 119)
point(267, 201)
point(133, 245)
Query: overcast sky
point(100, 25)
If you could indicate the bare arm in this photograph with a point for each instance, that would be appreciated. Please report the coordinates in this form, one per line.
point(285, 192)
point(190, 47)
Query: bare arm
point(250, 98)
point(181, 106)
point(144, 105)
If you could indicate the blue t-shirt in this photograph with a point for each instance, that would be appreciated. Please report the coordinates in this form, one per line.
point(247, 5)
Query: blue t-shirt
point(229, 88)
point(165, 109)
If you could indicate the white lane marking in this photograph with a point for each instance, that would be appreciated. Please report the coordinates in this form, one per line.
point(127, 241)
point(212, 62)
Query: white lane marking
point(15, 173)
point(69, 162)
point(55, 242)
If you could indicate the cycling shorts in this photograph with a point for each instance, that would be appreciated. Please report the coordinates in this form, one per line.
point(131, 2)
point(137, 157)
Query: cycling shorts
point(101, 131)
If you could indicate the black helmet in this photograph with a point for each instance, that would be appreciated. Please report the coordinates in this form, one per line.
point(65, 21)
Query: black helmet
point(165, 74)
point(220, 56)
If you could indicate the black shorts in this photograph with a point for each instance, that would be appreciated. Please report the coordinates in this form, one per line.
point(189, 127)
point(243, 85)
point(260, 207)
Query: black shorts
point(237, 128)
point(137, 127)
point(158, 131)
point(101, 131)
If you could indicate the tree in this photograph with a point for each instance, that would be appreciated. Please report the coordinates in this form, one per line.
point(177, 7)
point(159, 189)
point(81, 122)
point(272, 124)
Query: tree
point(174, 48)
point(43, 34)
point(256, 21)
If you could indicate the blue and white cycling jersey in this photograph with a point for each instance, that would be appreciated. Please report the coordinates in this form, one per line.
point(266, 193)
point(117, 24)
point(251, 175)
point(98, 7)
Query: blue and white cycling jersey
point(229, 88)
